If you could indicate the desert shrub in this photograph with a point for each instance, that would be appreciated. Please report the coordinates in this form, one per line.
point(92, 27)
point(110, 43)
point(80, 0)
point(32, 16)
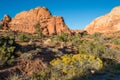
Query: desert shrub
point(23, 37)
point(84, 33)
point(95, 48)
point(99, 45)
point(96, 35)
point(70, 65)
point(1, 26)
point(42, 75)
point(39, 30)
point(75, 39)
point(116, 41)
point(7, 48)
point(62, 37)
point(112, 54)
point(14, 77)
point(29, 36)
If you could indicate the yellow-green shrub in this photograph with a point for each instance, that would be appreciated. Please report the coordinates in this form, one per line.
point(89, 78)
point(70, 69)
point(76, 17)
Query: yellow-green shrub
point(75, 65)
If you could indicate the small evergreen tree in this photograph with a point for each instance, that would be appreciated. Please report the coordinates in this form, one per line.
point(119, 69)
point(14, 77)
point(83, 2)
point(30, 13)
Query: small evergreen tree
point(39, 30)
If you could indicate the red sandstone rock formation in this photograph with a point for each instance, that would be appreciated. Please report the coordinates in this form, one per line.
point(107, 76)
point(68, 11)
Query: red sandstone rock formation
point(25, 22)
point(5, 21)
point(105, 24)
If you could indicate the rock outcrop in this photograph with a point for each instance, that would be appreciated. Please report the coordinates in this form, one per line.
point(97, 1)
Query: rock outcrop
point(105, 24)
point(26, 21)
point(5, 22)
point(77, 31)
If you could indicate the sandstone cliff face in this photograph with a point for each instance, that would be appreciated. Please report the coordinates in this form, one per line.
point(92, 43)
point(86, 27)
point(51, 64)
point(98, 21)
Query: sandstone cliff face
point(25, 22)
point(105, 24)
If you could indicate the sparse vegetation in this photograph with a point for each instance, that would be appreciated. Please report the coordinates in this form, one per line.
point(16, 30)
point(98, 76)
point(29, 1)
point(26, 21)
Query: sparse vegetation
point(116, 41)
point(23, 37)
point(62, 55)
point(39, 30)
point(62, 37)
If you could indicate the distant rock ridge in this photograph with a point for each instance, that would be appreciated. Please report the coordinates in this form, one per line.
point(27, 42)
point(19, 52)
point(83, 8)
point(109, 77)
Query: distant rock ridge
point(105, 24)
point(25, 22)
point(77, 31)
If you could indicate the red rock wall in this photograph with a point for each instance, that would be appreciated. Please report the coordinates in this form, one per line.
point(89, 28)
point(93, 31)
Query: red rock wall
point(25, 22)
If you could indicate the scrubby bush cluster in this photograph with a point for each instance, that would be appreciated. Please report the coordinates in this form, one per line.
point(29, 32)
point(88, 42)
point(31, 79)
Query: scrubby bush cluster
point(7, 48)
point(62, 37)
point(70, 65)
point(95, 48)
point(59, 53)
point(23, 37)
point(116, 41)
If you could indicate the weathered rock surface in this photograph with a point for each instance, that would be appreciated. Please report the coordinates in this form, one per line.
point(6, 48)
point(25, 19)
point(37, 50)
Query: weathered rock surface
point(105, 24)
point(25, 22)
point(5, 21)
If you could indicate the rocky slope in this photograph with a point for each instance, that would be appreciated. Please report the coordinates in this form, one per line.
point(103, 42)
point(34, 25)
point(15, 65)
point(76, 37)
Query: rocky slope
point(25, 22)
point(107, 23)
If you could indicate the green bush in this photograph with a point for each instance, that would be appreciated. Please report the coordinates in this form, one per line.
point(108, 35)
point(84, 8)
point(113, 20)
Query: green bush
point(75, 39)
point(116, 41)
point(63, 37)
point(7, 48)
point(84, 33)
point(23, 37)
point(96, 35)
point(39, 30)
point(92, 47)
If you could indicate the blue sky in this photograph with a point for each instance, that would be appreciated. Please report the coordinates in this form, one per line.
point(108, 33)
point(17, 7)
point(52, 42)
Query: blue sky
point(77, 13)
